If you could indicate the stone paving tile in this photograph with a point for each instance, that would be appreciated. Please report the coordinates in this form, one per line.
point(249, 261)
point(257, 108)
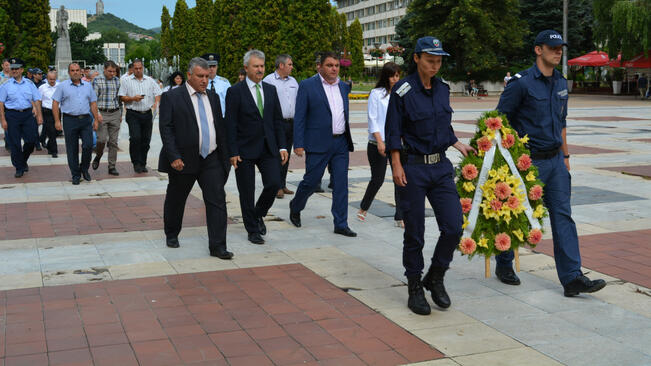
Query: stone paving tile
point(625, 255)
point(608, 119)
point(167, 321)
point(61, 173)
point(638, 170)
point(90, 216)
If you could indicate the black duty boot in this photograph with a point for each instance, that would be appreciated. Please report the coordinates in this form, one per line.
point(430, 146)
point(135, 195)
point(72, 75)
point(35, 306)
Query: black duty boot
point(433, 282)
point(417, 302)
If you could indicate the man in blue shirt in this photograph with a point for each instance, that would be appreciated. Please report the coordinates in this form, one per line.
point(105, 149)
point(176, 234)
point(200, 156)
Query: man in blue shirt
point(418, 131)
point(20, 115)
point(535, 102)
point(217, 83)
point(75, 99)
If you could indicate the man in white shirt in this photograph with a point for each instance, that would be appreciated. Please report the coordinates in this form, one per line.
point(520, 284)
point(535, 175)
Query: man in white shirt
point(140, 94)
point(47, 90)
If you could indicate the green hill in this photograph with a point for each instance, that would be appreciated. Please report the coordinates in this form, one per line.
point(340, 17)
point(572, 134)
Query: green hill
point(109, 21)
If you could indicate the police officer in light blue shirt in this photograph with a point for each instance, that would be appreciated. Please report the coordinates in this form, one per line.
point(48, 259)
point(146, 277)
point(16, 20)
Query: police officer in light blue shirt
point(535, 102)
point(75, 99)
point(418, 131)
point(20, 115)
point(217, 83)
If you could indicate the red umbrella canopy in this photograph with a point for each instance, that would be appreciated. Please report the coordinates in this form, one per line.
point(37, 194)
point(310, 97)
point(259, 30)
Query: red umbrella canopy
point(594, 58)
point(638, 62)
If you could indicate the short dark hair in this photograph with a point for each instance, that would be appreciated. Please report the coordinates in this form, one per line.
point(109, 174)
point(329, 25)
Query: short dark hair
point(137, 61)
point(73, 63)
point(130, 66)
point(242, 71)
point(327, 54)
point(110, 63)
point(388, 70)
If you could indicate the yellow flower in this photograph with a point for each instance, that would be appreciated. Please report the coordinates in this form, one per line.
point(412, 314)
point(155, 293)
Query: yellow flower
point(480, 152)
point(468, 186)
point(525, 139)
point(492, 173)
point(531, 177)
point(505, 131)
point(465, 222)
point(489, 133)
point(483, 242)
point(518, 234)
point(538, 213)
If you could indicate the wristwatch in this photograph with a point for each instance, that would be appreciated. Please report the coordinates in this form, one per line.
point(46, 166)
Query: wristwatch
point(566, 156)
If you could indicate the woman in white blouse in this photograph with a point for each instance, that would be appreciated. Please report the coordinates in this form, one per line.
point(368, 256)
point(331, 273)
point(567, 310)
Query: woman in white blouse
point(378, 101)
point(174, 81)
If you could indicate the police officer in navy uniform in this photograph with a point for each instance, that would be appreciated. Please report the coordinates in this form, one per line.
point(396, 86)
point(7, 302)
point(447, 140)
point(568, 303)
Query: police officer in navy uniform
point(217, 83)
point(418, 131)
point(535, 102)
point(20, 115)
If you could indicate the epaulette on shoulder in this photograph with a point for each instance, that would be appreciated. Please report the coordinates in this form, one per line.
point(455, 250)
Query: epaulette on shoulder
point(403, 89)
point(445, 82)
point(222, 78)
point(517, 76)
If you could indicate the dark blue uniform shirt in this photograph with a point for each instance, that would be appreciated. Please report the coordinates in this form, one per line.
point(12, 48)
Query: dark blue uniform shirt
point(536, 106)
point(420, 117)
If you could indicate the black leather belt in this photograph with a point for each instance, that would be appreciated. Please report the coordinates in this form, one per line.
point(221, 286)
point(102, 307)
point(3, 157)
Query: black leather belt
point(335, 135)
point(428, 159)
point(544, 154)
point(20, 110)
point(80, 116)
point(105, 110)
point(288, 120)
point(47, 109)
point(139, 112)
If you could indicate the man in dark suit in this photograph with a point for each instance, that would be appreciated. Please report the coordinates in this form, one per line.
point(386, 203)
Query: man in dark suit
point(194, 149)
point(322, 131)
point(255, 138)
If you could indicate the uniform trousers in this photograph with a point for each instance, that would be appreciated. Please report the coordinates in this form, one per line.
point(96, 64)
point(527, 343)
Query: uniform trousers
point(21, 126)
point(245, 176)
point(140, 125)
point(108, 131)
point(49, 134)
point(288, 126)
point(75, 128)
point(378, 165)
point(436, 183)
point(557, 193)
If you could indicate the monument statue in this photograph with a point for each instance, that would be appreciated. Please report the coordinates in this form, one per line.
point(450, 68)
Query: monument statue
point(63, 52)
point(99, 8)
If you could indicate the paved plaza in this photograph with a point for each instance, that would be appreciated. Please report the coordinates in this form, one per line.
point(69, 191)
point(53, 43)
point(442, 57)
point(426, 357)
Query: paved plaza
point(86, 278)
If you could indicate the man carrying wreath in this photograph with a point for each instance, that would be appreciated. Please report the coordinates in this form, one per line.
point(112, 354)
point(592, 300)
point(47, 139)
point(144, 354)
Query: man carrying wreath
point(535, 102)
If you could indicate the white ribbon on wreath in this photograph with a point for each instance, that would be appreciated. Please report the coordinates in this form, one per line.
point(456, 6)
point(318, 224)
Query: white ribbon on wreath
point(485, 168)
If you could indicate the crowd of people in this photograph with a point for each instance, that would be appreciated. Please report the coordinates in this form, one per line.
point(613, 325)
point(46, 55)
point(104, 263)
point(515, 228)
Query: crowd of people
point(208, 126)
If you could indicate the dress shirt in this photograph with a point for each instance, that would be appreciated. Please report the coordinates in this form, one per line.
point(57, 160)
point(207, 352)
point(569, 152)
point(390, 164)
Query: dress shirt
point(286, 89)
point(131, 87)
point(47, 91)
point(336, 103)
point(378, 102)
point(194, 95)
point(251, 86)
point(74, 99)
point(220, 85)
point(19, 95)
point(107, 92)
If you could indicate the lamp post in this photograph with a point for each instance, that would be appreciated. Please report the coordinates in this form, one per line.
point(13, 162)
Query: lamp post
point(565, 5)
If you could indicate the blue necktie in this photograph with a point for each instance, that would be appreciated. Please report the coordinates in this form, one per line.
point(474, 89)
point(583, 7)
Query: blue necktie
point(205, 130)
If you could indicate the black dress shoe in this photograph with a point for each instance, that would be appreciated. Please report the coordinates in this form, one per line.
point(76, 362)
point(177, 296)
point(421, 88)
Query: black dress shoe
point(136, 168)
point(172, 242)
point(95, 164)
point(38, 148)
point(255, 238)
point(19, 173)
point(26, 168)
point(295, 218)
point(346, 232)
point(221, 253)
point(113, 171)
point(75, 181)
point(262, 226)
point(319, 189)
point(86, 175)
point(583, 284)
point(507, 275)
point(55, 155)
point(143, 169)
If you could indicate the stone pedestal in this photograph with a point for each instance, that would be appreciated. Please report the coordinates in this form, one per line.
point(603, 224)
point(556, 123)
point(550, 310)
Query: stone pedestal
point(63, 57)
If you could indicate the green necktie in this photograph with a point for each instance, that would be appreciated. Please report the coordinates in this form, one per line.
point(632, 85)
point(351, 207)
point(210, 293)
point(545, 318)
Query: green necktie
point(259, 98)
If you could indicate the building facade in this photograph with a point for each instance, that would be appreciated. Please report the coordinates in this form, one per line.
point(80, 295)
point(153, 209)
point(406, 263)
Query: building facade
point(378, 19)
point(74, 16)
point(115, 52)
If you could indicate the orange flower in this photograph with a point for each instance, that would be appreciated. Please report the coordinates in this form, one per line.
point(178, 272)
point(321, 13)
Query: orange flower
point(484, 144)
point(524, 162)
point(469, 171)
point(508, 141)
point(466, 204)
point(496, 205)
point(535, 192)
point(494, 123)
point(502, 242)
point(467, 246)
point(502, 190)
point(535, 235)
point(513, 202)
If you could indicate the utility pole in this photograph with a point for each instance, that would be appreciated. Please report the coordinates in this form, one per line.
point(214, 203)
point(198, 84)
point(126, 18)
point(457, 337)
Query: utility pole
point(565, 37)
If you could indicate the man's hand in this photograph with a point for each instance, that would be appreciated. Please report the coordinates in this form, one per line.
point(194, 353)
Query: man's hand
point(137, 98)
point(95, 125)
point(99, 118)
point(178, 165)
point(4, 124)
point(567, 163)
point(39, 120)
point(381, 148)
point(299, 151)
point(399, 176)
point(284, 156)
point(235, 160)
point(57, 126)
point(464, 149)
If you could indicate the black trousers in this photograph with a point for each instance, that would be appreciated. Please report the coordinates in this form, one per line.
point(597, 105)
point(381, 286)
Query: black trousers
point(378, 165)
point(140, 125)
point(49, 133)
point(245, 177)
point(288, 126)
point(211, 180)
point(75, 129)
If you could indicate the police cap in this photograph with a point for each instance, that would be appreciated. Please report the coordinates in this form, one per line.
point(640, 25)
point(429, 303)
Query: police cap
point(430, 45)
point(36, 70)
point(16, 63)
point(550, 37)
point(212, 58)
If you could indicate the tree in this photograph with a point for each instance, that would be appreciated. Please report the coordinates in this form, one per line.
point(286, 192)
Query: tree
point(355, 46)
point(33, 40)
point(203, 14)
point(89, 51)
point(8, 31)
point(115, 36)
point(623, 26)
point(145, 50)
point(184, 33)
point(477, 34)
point(166, 42)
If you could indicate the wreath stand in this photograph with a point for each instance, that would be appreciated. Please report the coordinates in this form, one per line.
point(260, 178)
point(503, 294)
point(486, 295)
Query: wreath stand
point(487, 263)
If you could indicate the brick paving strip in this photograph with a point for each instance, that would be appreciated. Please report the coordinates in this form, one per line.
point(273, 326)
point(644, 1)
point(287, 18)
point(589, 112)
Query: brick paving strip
point(639, 170)
point(61, 173)
point(276, 315)
point(624, 255)
point(608, 119)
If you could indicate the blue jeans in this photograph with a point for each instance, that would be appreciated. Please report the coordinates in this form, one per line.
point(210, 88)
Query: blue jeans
point(557, 193)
